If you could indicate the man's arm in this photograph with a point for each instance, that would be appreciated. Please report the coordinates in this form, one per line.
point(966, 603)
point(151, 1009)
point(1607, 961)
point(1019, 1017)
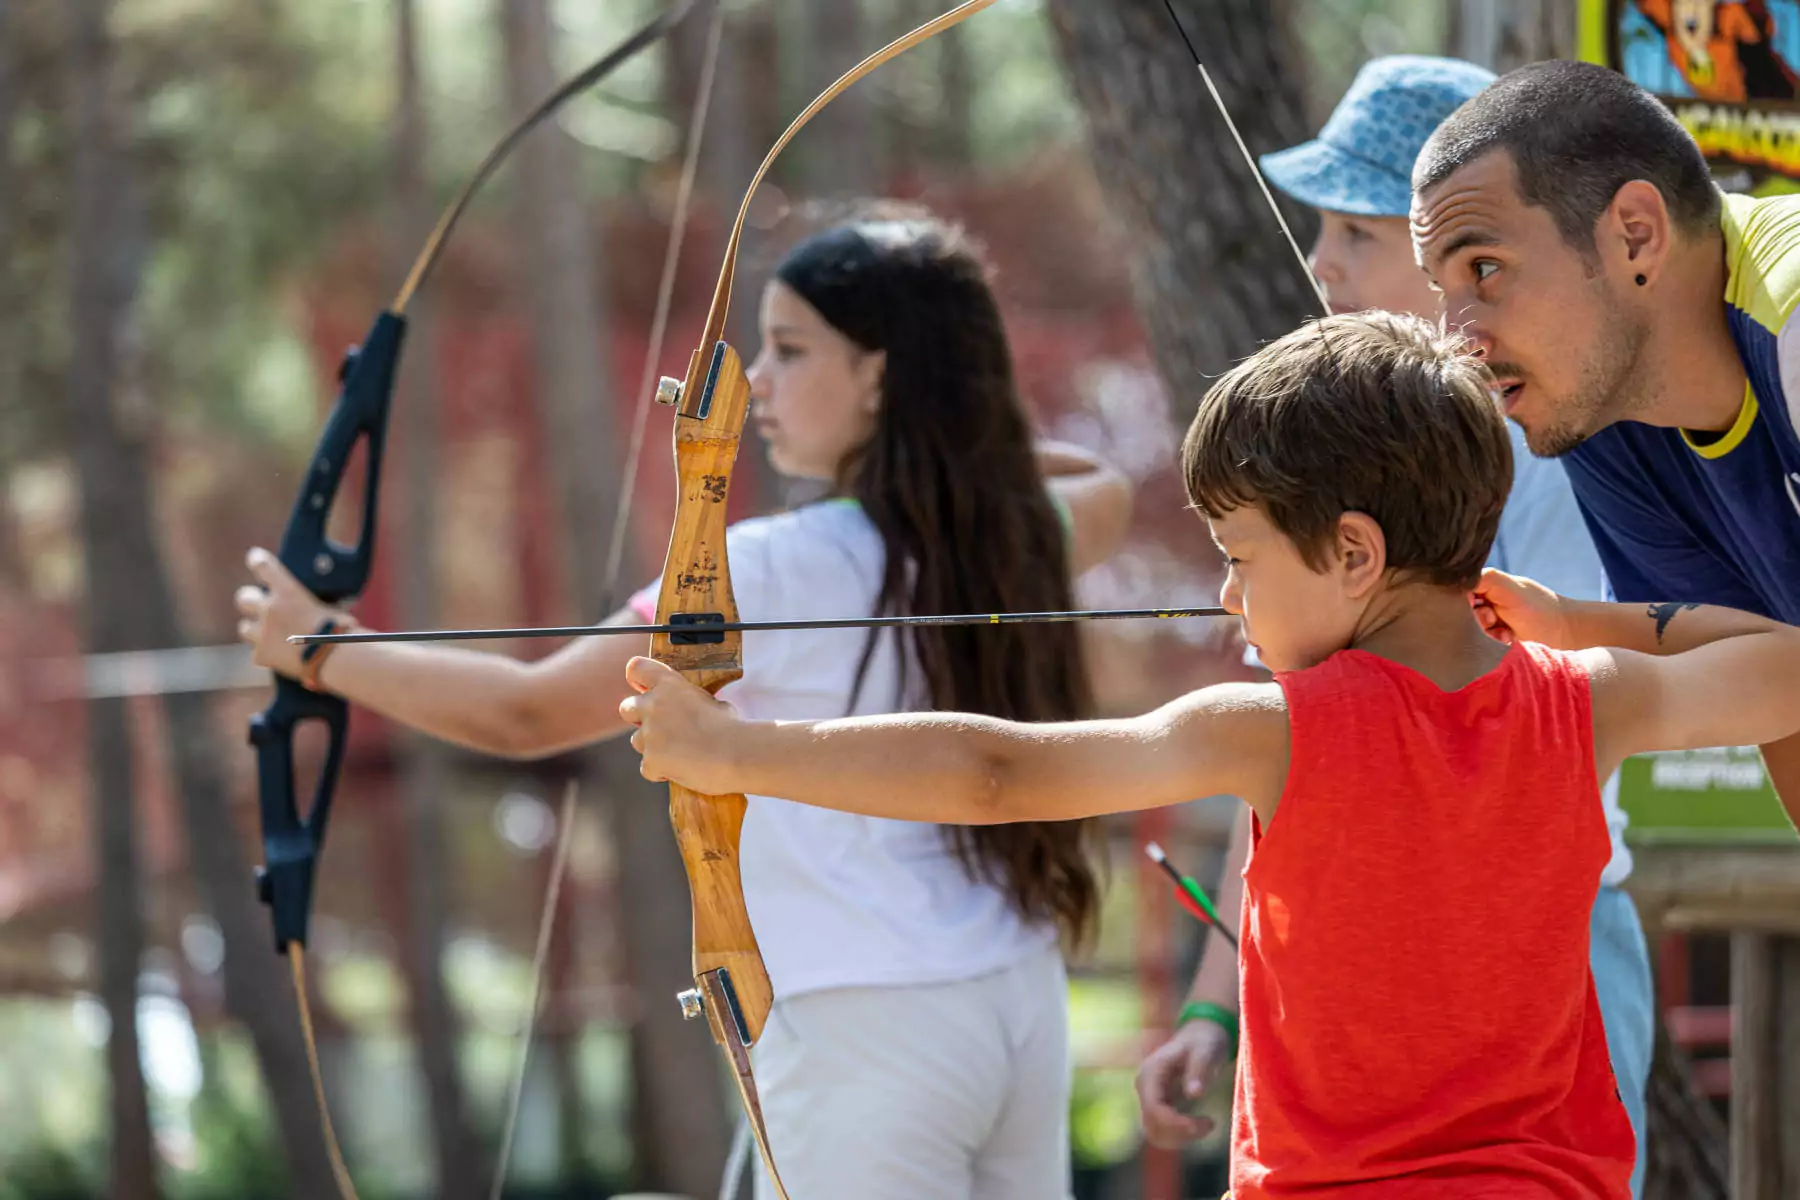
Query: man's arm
point(1661, 629)
point(958, 768)
point(1689, 677)
point(1510, 607)
point(1781, 759)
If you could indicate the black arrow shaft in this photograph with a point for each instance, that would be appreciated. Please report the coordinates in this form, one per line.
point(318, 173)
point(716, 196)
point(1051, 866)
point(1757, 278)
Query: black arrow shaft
point(699, 626)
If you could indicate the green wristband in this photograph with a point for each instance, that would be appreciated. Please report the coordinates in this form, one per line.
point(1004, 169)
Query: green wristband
point(1206, 1010)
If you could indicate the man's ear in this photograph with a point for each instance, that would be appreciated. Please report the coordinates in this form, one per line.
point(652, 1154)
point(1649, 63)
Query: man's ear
point(1361, 552)
point(1635, 232)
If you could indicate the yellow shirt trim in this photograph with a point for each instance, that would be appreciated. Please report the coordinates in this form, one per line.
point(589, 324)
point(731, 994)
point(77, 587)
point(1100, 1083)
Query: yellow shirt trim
point(1740, 429)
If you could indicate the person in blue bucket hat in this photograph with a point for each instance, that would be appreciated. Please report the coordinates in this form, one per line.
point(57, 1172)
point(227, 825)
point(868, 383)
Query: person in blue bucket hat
point(1357, 174)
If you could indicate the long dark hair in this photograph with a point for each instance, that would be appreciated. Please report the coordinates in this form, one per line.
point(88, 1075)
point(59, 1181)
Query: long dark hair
point(950, 479)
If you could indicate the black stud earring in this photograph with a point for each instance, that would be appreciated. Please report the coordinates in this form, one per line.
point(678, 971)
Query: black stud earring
point(1641, 281)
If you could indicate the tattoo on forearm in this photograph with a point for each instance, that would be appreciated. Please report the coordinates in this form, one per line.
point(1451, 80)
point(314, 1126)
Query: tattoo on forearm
point(1662, 614)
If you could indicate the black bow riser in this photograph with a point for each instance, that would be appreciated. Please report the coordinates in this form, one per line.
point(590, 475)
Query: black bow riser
point(334, 573)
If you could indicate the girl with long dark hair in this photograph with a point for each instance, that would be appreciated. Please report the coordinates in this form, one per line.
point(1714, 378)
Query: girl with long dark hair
point(918, 1048)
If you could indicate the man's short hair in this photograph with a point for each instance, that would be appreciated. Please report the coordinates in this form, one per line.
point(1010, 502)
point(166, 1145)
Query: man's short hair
point(1576, 133)
point(1371, 412)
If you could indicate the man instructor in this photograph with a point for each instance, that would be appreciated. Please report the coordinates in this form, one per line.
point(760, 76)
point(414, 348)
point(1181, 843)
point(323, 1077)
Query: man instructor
point(1639, 325)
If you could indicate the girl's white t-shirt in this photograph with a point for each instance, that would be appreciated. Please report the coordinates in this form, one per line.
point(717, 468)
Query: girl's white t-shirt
point(836, 899)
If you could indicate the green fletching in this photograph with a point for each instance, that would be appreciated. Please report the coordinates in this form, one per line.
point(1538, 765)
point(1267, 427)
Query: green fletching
point(1193, 889)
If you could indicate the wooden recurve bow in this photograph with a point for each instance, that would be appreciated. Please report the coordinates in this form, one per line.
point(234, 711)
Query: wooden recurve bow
point(731, 985)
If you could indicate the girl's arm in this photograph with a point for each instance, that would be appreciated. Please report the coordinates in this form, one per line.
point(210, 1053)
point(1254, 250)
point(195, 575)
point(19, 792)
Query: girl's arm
point(956, 768)
point(1097, 497)
point(486, 702)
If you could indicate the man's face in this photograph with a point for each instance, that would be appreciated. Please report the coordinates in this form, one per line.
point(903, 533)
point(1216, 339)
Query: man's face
point(1564, 352)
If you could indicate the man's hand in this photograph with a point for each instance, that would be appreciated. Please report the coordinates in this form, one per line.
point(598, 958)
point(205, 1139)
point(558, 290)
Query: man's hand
point(279, 609)
point(1512, 608)
point(1176, 1078)
point(684, 734)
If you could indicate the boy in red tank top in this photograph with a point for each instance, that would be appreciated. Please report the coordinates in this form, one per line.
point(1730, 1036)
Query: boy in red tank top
point(1418, 1018)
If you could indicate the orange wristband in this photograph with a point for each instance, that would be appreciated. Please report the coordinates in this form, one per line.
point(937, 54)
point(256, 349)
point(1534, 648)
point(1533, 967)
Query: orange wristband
point(312, 659)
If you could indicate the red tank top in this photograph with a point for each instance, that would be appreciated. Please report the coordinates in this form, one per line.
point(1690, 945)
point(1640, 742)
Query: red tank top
point(1419, 1019)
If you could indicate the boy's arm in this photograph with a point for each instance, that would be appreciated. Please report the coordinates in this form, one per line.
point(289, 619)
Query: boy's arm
point(956, 768)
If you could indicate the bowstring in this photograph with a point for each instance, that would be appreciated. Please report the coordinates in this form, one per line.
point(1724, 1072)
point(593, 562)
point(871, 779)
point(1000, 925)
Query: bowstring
point(614, 566)
point(1318, 289)
point(546, 922)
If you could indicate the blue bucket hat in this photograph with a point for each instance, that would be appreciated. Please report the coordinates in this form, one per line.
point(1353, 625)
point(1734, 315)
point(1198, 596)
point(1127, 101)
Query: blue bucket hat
point(1362, 160)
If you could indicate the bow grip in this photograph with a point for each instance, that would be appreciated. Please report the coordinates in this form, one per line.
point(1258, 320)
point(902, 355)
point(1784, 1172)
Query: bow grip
point(330, 571)
point(291, 843)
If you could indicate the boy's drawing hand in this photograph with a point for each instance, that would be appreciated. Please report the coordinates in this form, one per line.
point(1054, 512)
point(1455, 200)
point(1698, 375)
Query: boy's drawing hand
point(682, 732)
point(1512, 608)
point(1174, 1080)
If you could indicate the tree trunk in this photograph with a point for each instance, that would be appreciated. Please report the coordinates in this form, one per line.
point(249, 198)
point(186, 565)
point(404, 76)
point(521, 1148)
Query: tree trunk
point(107, 268)
point(10, 330)
point(841, 153)
point(681, 1127)
point(1212, 273)
point(1214, 277)
point(1502, 37)
point(462, 1168)
point(926, 99)
point(131, 606)
point(955, 132)
point(13, 572)
point(571, 355)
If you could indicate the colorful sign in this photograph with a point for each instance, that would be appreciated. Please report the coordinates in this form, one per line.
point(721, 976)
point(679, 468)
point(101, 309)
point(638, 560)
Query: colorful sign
point(1728, 69)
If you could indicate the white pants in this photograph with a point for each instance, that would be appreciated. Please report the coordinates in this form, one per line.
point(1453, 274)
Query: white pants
point(955, 1091)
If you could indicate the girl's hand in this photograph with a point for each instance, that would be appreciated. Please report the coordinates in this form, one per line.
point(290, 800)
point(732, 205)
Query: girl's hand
point(1512, 608)
point(281, 608)
point(684, 734)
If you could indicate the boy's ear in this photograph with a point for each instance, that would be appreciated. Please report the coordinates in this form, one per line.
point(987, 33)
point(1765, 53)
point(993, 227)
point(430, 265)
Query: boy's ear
point(1361, 551)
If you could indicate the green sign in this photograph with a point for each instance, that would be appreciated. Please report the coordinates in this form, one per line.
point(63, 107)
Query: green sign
point(1718, 797)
